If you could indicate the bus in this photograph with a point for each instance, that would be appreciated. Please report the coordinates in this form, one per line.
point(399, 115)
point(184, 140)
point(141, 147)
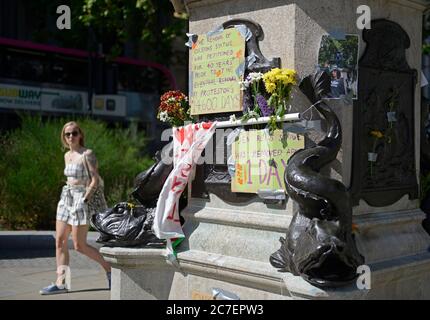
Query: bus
point(56, 81)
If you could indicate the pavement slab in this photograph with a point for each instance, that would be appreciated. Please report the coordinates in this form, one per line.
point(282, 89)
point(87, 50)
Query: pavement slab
point(24, 270)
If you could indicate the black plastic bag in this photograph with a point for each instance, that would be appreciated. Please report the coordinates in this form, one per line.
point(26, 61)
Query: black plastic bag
point(149, 183)
point(126, 225)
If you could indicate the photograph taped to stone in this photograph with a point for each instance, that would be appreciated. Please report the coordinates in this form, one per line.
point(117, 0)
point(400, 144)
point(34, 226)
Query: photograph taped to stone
point(339, 58)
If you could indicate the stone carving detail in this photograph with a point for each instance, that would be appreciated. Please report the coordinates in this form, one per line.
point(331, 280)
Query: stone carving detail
point(319, 244)
point(215, 178)
point(384, 157)
point(261, 63)
point(386, 46)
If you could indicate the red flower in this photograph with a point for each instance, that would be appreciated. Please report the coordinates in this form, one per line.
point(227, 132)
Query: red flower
point(175, 104)
point(206, 125)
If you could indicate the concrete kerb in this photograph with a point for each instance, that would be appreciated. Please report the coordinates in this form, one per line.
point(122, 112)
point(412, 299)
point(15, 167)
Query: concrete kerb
point(37, 240)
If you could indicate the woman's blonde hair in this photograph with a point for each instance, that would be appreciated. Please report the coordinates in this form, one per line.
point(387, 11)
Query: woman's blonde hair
point(81, 133)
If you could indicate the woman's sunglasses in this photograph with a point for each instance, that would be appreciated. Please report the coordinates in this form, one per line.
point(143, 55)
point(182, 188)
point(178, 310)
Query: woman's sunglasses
point(73, 133)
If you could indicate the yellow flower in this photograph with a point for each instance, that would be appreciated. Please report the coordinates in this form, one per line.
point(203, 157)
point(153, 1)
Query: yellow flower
point(275, 71)
point(267, 78)
point(290, 72)
point(282, 77)
point(291, 75)
point(270, 76)
point(270, 87)
point(377, 134)
point(279, 79)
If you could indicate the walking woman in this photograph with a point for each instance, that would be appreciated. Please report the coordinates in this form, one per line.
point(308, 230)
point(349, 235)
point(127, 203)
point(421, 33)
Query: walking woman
point(72, 211)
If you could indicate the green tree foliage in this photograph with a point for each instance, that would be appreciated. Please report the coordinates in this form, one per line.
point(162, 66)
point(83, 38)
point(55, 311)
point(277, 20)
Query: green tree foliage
point(113, 23)
point(426, 34)
point(348, 49)
point(32, 164)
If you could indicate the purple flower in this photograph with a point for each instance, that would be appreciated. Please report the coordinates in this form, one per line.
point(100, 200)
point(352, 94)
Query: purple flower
point(247, 101)
point(262, 103)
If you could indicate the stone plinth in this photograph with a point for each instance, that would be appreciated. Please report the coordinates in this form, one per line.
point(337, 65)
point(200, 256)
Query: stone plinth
point(293, 31)
point(228, 244)
point(145, 274)
point(138, 274)
point(227, 247)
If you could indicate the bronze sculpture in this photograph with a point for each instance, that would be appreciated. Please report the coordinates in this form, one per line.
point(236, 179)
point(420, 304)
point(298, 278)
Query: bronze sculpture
point(319, 244)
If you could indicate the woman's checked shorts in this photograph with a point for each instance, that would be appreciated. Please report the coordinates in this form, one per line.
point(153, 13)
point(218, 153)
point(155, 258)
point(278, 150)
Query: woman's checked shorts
point(71, 207)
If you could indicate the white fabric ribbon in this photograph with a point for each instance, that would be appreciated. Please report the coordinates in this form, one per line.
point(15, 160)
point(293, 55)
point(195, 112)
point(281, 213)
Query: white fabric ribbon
point(188, 144)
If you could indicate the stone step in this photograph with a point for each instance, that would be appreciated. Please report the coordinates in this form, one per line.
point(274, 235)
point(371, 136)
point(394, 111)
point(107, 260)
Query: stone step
point(199, 272)
point(239, 218)
point(252, 233)
point(262, 276)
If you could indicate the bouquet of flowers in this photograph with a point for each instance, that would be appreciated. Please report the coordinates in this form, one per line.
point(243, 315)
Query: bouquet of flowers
point(277, 85)
point(174, 108)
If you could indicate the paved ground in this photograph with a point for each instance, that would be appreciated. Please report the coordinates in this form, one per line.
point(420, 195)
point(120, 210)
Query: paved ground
point(27, 264)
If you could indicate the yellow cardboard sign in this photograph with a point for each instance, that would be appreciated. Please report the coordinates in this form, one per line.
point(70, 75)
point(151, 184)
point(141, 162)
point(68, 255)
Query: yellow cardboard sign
point(261, 159)
point(217, 67)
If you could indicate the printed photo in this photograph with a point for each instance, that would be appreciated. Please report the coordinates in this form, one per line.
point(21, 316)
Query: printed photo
point(339, 58)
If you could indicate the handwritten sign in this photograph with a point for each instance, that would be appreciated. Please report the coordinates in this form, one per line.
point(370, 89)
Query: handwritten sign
point(261, 159)
point(217, 67)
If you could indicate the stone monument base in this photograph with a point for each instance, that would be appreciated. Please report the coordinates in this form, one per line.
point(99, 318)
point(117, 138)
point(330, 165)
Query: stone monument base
point(144, 274)
point(228, 247)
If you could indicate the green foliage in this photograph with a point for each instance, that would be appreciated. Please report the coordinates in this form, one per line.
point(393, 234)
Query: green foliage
point(149, 21)
point(426, 34)
point(32, 164)
point(426, 49)
point(348, 48)
point(425, 186)
point(114, 22)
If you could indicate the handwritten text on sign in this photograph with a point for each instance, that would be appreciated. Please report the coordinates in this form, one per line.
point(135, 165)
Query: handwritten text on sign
point(217, 67)
point(261, 159)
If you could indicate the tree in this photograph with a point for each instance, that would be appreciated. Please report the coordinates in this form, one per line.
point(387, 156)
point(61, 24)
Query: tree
point(426, 34)
point(342, 53)
point(114, 23)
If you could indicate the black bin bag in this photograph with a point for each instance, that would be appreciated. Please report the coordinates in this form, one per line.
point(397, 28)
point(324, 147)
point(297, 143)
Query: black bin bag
point(126, 225)
point(129, 225)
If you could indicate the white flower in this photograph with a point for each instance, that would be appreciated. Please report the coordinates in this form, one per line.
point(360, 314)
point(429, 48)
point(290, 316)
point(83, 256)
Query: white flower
point(253, 114)
point(164, 117)
point(244, 85)
point(233, 118)
point(255, 76)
